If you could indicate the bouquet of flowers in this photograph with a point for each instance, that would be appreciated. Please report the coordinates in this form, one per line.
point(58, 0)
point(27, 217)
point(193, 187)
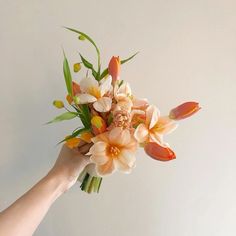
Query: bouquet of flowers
point(113, 119)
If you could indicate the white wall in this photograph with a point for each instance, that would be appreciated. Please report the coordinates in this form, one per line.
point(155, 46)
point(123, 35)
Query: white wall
point(188, 52)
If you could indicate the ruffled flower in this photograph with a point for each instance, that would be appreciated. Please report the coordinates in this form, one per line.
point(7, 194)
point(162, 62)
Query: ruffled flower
point(114, 150)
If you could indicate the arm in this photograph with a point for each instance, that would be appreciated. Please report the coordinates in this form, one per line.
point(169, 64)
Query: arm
point(24, 215)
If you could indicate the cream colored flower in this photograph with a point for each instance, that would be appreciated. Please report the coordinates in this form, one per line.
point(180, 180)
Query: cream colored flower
point(113, 150)
point(95, 92)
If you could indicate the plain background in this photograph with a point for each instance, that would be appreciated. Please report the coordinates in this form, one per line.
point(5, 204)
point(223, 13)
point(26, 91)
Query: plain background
point(187, 52)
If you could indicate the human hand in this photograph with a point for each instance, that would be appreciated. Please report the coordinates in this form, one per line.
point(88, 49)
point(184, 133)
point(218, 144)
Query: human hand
point(69, 164)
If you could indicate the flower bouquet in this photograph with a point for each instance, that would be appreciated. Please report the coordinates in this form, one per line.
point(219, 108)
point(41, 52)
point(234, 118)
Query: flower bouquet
point(113, 119)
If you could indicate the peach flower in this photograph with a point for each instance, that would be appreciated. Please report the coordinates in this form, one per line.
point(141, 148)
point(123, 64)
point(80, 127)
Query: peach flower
point(154, 126)
point(113, 150)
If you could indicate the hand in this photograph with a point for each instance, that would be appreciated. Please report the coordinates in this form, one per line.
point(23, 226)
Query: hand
point(69, 164)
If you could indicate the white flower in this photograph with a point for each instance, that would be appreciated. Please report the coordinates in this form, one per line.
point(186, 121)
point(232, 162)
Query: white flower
point(94, 92)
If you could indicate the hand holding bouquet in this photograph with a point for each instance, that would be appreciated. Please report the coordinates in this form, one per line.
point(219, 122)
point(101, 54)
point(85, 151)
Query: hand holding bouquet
point(114, 120)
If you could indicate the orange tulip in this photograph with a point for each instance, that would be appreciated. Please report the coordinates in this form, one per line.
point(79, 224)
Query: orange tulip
point(98, 125)
point(114, 68)
point(159, 152)
point(73, 142)
point(184, 110)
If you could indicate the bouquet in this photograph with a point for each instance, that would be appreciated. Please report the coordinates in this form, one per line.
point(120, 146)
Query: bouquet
point(114, 120)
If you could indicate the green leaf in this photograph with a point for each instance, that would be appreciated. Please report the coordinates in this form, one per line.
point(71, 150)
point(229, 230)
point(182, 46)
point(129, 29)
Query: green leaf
point(127, 59)
point(67, 75)
point(64, 116)
point(90, 40)
point(88, 65)
point(105, 72)
point(85, 116)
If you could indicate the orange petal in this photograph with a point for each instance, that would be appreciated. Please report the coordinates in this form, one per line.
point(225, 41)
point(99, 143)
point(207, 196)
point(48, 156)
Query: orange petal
point(114, 68)
point(184, 110)
point(75, 88)
point(86, 136)
point(98, 125)
point(73, 142)
point(159, 152)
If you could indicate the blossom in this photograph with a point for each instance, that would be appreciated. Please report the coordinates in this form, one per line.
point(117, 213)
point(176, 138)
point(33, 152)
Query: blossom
point(154, 126)
point(184, 110)
point(114, 68)
point(95, 92)
point(98, 125)
point(113, 150)
point(122, 95)
point(158, 152)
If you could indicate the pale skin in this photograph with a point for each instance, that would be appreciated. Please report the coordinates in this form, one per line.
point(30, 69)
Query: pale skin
point(24, 215)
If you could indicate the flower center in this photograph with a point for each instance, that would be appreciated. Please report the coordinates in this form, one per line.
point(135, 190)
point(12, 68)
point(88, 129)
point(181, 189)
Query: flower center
point(113, 151)
point(95, 92)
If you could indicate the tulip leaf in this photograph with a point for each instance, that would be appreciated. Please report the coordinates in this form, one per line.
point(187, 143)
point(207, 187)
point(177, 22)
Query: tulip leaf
point(67, 75)
point(105, 72)
point(88, 65)
point(65, 116)
point(90, 40)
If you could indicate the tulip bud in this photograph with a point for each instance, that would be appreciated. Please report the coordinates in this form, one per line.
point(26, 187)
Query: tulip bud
point(73, 142)
point(184, 110)
point(77, 67)
point(114, 68)
point(86, 137)
point(81, 37)
point(58, 104)
point(159, 152)
point(98, 125)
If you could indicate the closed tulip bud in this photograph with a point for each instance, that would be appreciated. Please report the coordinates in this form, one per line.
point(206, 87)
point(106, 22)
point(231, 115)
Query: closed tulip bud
point(159, 152)
point(77, 67)
point(58, 104)
point(69, 99)
point(114, 68)
point(184, 110)
point(73, 142)
point(86, 137)
point(98, 125)
point(81, 37)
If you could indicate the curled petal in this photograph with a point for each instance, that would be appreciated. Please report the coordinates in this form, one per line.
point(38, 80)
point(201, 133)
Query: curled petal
point(103, 104)
point(141, 133)
point(99, 159)
point(184, 110)
point(159, 152)
point(121, 166)
point(165, 125)
point(152, 115)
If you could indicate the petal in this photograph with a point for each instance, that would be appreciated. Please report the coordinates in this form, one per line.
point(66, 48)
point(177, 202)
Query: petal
point(156, 137)
point(106, 168)
point(98, 148)
point(101, 137)
point(152, 115)
point(159, 152)
point(124, 89)
point(87, 83)
point(105, 85)
point(140, 103)
point(141, 133)
point(122, 167)
point(103, 104)
point(165, 125)
point(99, 159)
point(86, 98)
point(120, 137)
point(128, 157)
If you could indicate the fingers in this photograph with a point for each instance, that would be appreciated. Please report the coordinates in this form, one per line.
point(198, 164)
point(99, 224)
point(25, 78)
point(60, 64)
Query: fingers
point(85, 148)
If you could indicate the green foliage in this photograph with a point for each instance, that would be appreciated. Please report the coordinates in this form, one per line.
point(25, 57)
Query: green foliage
point(88, 65)
point(67, 75)
point(65, 116)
